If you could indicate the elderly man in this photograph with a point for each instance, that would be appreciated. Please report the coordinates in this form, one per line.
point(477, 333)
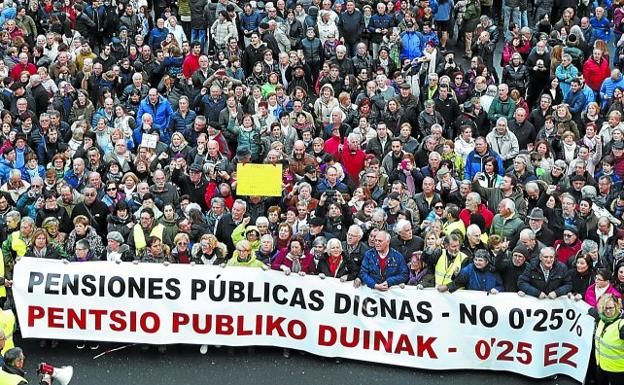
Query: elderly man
point(475, 206)
point(511, 268)
point(383, 266)
point(229, 222)
point(503, 141)
point(544, 277)
point(448, 262)
point(94, 209)
point(15, 186)
point(161, 111)
point(405, 242)
point(353, 247)
point(506, 223)
point(164, 191)
point(474, 241)
point(538, 225)
point(13, 369)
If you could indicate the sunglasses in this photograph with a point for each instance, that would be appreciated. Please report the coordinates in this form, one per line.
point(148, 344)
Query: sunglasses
point(111, 189)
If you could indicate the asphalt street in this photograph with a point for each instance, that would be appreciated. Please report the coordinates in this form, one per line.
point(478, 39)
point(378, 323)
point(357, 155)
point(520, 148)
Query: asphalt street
point(182, 364)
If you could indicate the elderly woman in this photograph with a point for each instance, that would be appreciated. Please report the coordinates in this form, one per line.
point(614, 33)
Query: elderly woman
point(244, 256)
point(266, 250)
point(209, 251)
point(294, 259)
point(420, 275)
point(84, 231)
point(335, 263)
point(116, 249)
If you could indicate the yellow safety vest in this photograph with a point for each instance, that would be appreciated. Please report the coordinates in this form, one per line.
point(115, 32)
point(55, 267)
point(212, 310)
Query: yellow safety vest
point(2, 288)
point(457, 226)
point(444, 272)
point(609, 347)
point(10, 378)
point(139, 238)
point(17, 244)
point(7, 324)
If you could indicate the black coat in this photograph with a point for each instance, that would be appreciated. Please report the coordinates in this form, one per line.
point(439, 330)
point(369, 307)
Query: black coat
point(346, 267)
point(65, 223)
point(225, 227)
point(533, 283)
point(357, 254)
point(96, 213)
point(508, 271)
point(406, 248)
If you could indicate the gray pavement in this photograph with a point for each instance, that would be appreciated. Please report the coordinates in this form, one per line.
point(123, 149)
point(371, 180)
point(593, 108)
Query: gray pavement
point(182, 364)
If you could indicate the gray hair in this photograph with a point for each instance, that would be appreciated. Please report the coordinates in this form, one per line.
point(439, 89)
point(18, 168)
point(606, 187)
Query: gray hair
point(242, 203)
point(588, 246)
point(527, 233)
point(509, 204)
point(475, 196)
point(262, 221)
point(473, 229)
point(14, 214)
point(401, 225)
point(333, 242)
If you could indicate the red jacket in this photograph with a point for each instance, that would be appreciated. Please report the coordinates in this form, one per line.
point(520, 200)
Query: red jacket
point(488, 215)
point(17, 70)
point(565, 251)
point(353, 163)
point(190, 65)
point(595, 73)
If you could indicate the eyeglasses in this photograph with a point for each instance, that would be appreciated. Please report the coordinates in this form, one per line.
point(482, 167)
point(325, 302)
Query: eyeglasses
point(90, 194)
point(111, 189)
point(182, 243)
point(568, 235)
point(246, 250)
point(439, 207)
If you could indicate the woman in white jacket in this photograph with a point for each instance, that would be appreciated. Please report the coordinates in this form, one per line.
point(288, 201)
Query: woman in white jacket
point(326, 27)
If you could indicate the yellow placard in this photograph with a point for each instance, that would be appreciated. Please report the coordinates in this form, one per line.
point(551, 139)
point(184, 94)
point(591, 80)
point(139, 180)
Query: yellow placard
point(263, 180)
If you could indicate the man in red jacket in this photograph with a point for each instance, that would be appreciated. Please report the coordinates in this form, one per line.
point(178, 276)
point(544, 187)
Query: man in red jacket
point(22, 65)
point(353, 157)
point(596, 70)
point(474, 206)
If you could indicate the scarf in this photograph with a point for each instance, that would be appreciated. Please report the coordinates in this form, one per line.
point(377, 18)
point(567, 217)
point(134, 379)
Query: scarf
point(295, 266)
point(409, 180)
point(569, 150)
point(608, 320)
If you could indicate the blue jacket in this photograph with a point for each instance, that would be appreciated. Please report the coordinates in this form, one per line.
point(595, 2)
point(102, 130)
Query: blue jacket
point(608, 86)
point(251, 22)
point(181, 124)
point(396, 269)
point(412, 45)
point(161, 112)
point(474, 163)
point(157, 36)
point(74, 181)
point(470, 278)
point(602, 28)
point(5, 169)
point(576, 101)
point(444, 11)
point(427, 37)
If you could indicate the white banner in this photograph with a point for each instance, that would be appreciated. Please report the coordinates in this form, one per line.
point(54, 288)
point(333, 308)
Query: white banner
point(157, 304)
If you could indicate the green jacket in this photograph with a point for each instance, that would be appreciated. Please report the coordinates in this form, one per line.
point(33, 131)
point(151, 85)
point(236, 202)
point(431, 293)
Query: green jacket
point(506, 228)
point(252, 262)
point(240, 233)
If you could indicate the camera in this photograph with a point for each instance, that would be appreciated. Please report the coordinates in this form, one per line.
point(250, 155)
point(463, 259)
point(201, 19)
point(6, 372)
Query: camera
point(256, 138)
point(330, 194)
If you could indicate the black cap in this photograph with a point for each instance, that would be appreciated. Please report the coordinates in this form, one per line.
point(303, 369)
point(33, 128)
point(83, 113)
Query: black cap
point(195, 167)
point(395, 196)
point(309, 168)
point(316, 221)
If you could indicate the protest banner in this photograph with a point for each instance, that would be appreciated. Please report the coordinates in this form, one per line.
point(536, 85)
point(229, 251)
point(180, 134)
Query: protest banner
point(263, 180)
point(158, 304)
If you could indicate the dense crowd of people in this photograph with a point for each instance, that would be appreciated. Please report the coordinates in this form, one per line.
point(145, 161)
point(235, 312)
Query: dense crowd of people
point(122, 125)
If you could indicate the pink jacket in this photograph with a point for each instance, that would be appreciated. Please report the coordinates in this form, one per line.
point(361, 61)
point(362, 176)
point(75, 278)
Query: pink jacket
point(590, 294)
